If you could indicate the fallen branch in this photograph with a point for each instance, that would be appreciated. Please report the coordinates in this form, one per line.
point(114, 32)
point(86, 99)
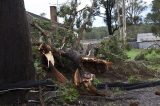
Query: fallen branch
point(49, 63)
point(39, 28)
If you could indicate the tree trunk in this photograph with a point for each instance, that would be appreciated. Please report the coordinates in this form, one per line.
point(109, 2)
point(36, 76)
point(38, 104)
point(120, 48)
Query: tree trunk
point(15, 48)
point(124, 23)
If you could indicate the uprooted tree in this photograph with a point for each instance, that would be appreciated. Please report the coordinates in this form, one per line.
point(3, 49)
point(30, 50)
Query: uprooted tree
point(15, 54)
point(68, 60)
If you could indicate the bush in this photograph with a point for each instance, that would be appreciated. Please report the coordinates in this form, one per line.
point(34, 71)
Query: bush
point(128, 47)
point(69, 94)
point(140, 56)
point(157, 51)
point(96, 81)
point(111, 49)
point(133, 79)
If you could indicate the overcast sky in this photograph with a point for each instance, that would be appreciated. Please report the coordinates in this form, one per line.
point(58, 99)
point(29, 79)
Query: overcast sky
point(42, 6)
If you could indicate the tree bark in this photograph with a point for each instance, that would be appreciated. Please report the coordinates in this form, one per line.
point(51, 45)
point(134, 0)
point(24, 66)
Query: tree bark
point(15, 48)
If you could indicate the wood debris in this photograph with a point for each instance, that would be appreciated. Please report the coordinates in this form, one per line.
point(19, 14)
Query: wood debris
point(46, 51)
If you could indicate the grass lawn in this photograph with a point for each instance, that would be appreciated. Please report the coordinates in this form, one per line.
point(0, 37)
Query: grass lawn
point(152, 58)
point(133, 53)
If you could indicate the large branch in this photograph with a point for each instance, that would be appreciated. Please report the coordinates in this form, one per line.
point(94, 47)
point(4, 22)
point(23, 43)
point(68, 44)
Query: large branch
point(40, 29)
point(90, 64)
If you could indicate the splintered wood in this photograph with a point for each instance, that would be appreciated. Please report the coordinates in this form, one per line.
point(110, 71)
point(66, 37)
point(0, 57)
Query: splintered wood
point(95, 65)
point(80, 78)
point(85, 79)
point(46, 51)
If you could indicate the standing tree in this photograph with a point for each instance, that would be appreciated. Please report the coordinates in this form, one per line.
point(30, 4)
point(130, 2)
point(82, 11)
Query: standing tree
point(15, 53)
point(110, 15)
point(154, 17)
point(134, 8)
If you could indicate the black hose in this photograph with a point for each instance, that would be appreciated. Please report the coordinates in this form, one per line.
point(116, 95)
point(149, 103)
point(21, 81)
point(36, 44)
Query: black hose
point(127, 86)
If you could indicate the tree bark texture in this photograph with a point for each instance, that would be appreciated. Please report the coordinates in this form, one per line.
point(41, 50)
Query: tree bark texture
point(15, 48)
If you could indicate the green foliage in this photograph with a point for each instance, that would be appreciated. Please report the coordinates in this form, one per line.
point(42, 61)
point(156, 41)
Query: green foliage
point(128, 47)
point(157, 51)
point(110, 15)
point(40, 73)
point(96, 81)
point(64, 10)
point(69, 93)
point(154, 17)
point(133, 30)
point(68, 35)
point(140, 56)
point(46, 25)
point(134, 10)
point(36, 34)
point(149, 55)
point(76, 21)
point(117, 90)
point(96, 33)
point(110, 49)
point(70, 15)
point(133, 53)
point(133, 79)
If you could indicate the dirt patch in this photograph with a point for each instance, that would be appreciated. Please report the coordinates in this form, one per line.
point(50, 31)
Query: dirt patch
point(122, 71)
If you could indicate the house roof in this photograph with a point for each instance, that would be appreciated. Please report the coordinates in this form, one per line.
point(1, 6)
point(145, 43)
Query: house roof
point(147, 37)
point(32, 16)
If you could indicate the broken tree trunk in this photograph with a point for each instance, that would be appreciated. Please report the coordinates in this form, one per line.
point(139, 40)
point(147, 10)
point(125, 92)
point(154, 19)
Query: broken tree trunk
point(49, 62)
point(93, 65)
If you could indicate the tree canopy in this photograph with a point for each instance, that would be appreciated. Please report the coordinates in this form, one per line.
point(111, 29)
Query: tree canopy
point(154, 17)
point(134, 9)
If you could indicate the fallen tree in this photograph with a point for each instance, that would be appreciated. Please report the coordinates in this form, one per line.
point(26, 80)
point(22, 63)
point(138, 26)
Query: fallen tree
point(80, 78)
point(93, 65)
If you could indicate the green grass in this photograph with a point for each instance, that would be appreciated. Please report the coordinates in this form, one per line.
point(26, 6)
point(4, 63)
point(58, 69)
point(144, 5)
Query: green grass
point(154, 67)
point(153, 56)
point(133, 53)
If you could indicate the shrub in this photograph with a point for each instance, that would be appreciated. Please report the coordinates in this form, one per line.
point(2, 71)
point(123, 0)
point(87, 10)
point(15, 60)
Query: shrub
point(111, 49)
point(70, 94)
point(128, 47)
point(157, 51)
point(96, 81)
point(133, 79)
point(140, 56)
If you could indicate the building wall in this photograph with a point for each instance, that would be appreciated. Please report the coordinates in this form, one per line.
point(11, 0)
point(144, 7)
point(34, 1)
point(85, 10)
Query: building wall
point(133, 44)
point(151, 44)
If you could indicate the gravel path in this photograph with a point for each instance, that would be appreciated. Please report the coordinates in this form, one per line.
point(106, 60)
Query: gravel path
point(139, 97)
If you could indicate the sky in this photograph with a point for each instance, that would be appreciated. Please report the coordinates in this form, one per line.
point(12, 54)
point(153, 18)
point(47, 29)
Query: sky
point(42, 6)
